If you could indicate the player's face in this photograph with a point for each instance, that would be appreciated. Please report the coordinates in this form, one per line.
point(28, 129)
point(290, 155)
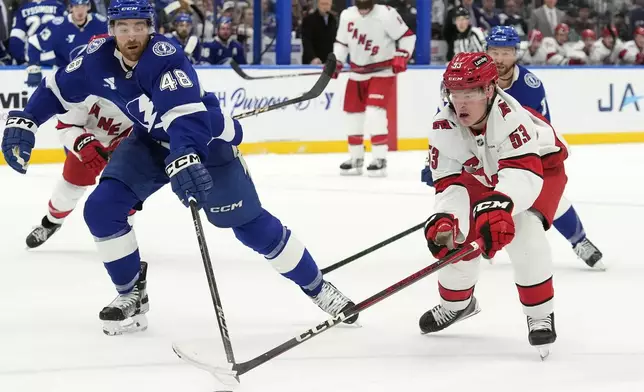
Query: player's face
point(183, 29)
point(588, 43)
point(462, 23)
point(132, 36)
point(504, 58)
point(561, 37)
point(224, 31)
point(639, 40)
point(609, 42)
point(79, 12)
point(470, 105)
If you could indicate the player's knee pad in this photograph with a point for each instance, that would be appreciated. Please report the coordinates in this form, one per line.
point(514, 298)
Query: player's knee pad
point(107, 208)
point(563, 207)
point(375, 121)
point(262, 234)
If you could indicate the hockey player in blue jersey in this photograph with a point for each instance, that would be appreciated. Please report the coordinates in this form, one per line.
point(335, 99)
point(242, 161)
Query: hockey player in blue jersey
point(223, 47)
point(182, 137)
point(27, 19)
point(182, 36)
point(59, 41)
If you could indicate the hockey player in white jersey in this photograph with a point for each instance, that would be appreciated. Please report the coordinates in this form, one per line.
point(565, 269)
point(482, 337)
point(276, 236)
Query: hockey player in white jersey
point(633, 51)
point(561, 52)
point(609, 49)
point(89, 132)
point(531, 51)
point(499, 176)
point(375, 37)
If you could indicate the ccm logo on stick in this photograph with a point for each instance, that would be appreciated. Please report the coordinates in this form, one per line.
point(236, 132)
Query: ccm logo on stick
point(493, 204)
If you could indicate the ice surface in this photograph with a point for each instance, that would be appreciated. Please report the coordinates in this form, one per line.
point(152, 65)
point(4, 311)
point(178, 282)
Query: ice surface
point(51, 339)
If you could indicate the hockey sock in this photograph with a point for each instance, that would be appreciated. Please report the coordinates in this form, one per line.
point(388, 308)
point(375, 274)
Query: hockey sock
point(570, 226)
point(267, 236)
point(63, 200)
point(106, 212)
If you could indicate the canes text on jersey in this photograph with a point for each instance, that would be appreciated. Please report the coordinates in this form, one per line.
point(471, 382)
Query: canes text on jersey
point(362, 39)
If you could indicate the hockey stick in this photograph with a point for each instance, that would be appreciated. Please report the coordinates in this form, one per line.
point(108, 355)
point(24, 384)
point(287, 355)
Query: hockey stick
point(374, 248)
point(246, 76)
point(212, 285)
point(238, 369)
point(314, 92)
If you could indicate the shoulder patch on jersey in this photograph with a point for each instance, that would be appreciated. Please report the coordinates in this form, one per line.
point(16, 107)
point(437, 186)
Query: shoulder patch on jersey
point(100, 17)
point(163, 49)
point(531, 80)
point(95, 45)
point(58, 20)
point(74, 65)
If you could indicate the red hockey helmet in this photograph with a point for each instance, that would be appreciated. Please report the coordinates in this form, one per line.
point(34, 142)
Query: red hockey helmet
point(535, 36)
point(562, 28)
point(609, 31)
point(639, 30)
point(588, 33)
point(470, 70)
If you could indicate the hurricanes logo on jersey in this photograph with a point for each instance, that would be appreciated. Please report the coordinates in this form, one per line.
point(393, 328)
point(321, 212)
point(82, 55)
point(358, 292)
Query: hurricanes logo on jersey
point(362, 39)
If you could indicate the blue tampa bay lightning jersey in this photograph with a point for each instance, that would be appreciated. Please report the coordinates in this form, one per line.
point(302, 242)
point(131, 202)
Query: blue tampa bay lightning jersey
point(529, 91)
point(59, 41)
point(218, 52)
point(27, 20)
point(191, 47)
point(161, 94)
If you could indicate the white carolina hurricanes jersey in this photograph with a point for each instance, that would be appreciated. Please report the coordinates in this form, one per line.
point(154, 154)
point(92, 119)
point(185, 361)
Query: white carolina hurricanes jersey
point(631, 52)
point(509, 156)
point(372, 40)
point(97, 116)
point(528, 58)
point(557, 54)
point(600, 54)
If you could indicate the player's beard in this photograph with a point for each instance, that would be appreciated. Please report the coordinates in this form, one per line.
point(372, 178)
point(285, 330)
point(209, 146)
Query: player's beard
point(132, 50)
point(504, 71)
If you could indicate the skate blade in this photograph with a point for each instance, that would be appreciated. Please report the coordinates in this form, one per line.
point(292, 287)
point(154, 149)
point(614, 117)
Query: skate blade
point(224, 374)
point(351, 172)
point(377, 173)
point(544, 351)
point(137, 323)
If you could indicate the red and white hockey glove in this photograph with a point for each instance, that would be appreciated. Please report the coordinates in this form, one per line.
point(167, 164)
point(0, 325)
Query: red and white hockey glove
point(338, 69)
point(92, 153)
point(441, 230)
point(399, 62)
point(493, 221)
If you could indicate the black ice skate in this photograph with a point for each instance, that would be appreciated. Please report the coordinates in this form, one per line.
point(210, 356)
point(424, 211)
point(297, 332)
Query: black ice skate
point(439, 318)
point(332, 301)
point(352, 167)
point(41, 233)
point(127, 312)
point(588, 252)
point(541, 334)
point(377, 168)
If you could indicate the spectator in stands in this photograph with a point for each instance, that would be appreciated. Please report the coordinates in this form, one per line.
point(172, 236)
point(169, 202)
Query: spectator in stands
point(245, 28)
point(406, 10)
point(582, 21)
point(511, 17)
point(318, 34)
point(546, 18)
point(438, 18)
point(489, 15)
point(269, 22)
point(99, 6)
point(622, 28)
point(636, 15)
point(296, 17)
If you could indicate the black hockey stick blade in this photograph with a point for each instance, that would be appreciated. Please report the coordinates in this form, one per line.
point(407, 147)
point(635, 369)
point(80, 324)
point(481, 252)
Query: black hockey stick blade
point(371, 249)
point(239, 71)
point(216, 300)
point(453, 257)
point(314, 92)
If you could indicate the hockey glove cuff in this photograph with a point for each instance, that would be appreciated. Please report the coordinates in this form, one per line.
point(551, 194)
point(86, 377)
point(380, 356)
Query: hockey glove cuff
point(399, 62)
point(493, 221)
point(34, 75)
point(91, 152)
point(338, 69)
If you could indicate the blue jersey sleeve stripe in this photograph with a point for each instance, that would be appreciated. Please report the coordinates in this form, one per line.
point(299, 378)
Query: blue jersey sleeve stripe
point(179, 111)
point(228, 133)
point(18, 33)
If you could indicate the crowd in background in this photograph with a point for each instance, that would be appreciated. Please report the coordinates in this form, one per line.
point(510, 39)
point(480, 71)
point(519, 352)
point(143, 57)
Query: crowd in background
point(315, 21)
